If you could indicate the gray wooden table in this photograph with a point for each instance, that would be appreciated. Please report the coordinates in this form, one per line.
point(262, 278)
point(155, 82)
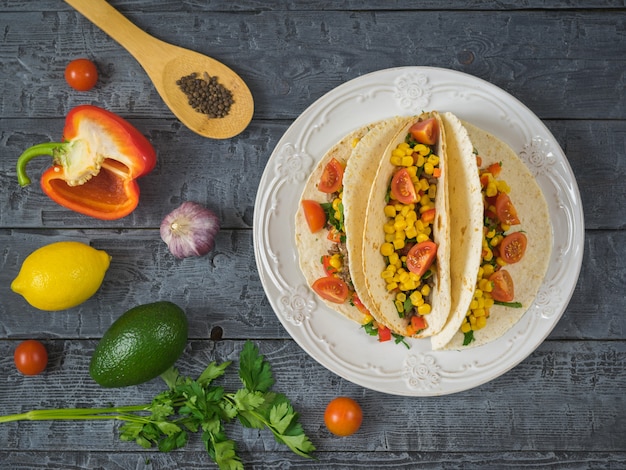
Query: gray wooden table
point(562, 407)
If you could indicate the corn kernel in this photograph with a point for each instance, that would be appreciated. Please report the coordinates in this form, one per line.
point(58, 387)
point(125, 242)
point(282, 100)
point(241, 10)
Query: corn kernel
point(395, 160)
point(394, 259)
point(412, 170)
point(503, 187)
point(425, 290)
point(474, 304)
point(389, 228)
point(488, 270)
point(492, 189)
point(421, 149)
point(424, 309)
point(411, 232)
point(390, 237)
point(401, 296)
point(386, 249)
point(392, 286)
point(399, 243)
point(429, 168)
point(432, 191)
point(466, 327)
point(479, 312)
point(433, 159)
point(399, 306)
point(397, 152)
point(335, 261)
point(354, 142)
point(419, 161)
point(386, 274)
point(390, 211)
point(406, 161)
point(481, 322)
point(422, 237)
point(403, 146)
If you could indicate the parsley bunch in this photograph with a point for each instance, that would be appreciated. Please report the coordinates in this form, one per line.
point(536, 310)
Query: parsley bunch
point(193, 405)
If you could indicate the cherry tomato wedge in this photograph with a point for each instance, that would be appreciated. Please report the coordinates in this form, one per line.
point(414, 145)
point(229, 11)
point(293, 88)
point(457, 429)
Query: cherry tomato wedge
point(384, 333)
point(503, 290)
point(402, 188)
point(418, 323)
point(343, 416)
point(332, 177)
point(332, 289)
point(81, 74)
point(30, 357)
point(505, 210)
point(314, 215)
point(426, 131)
point(512, 247)
point(334, 235)
point(421, 256)
point(359, 305)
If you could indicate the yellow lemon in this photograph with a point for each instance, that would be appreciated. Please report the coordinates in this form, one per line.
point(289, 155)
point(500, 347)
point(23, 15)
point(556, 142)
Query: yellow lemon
point(61, 275)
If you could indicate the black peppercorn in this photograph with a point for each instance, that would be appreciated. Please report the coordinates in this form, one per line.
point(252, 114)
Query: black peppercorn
point(206, 95)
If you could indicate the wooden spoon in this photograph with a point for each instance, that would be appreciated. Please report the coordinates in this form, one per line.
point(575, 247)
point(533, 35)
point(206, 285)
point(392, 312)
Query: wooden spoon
point(166, 63)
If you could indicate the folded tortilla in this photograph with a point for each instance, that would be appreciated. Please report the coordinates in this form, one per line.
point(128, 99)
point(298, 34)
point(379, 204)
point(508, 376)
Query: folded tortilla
point(527, 274)
point(373, 263)
point(359, 152)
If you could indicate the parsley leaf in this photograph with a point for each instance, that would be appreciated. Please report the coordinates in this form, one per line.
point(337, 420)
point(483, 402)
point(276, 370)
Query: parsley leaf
point(254, 371)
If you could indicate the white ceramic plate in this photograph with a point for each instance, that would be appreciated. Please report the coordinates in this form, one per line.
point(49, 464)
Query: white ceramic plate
point(339, 344)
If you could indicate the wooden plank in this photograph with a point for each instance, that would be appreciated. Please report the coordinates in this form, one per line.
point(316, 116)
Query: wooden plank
point(556, 399)
point(323, 460)
point(326, 5)
point(223, 289)
point(505, 48)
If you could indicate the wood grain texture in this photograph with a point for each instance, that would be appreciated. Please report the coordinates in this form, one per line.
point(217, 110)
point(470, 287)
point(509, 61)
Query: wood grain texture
point(563, 407)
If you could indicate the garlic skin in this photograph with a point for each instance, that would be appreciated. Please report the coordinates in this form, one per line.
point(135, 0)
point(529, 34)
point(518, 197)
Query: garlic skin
point(190, 230)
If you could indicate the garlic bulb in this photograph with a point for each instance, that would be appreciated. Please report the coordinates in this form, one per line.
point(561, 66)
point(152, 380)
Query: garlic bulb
point(190, 230)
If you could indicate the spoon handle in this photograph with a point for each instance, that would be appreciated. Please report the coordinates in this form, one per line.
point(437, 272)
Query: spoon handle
point(136, 41)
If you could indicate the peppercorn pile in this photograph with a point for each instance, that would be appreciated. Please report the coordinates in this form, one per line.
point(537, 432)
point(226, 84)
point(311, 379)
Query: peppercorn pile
point(206, 95)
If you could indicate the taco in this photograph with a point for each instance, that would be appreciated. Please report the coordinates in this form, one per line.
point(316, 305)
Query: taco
point(332, 207)
point(515, 239)
point(405, 254)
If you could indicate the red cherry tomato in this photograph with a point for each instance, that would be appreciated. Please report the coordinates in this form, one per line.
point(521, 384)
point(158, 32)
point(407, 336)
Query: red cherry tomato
point(505, 210)
point(332, 177)
point(343, 416)
point(402, 188)
point(418, 323)
point(426, 131)
point(384, 333)
point(421, 256)
point(332, 289)
point(81, 74)
point(31, 357)
point(314, 215)
point(503, 290)
point(513, 247)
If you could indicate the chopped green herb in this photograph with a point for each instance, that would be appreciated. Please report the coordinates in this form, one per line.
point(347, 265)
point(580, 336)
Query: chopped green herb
point(468, 337)
point(399, 339)
point(509, 304)
point(194, 405)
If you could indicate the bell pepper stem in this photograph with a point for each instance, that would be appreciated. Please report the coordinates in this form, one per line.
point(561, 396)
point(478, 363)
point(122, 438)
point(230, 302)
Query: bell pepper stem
point(48, 148)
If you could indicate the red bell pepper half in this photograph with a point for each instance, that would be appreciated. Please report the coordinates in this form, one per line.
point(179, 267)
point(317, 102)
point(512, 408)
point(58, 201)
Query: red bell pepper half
point(95, 166)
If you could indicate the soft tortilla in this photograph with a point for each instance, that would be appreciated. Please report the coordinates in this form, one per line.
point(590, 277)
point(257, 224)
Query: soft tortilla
point(312, 246)
point(373, 262)
point(466, 225)
point(528, 274)
point(358, 177)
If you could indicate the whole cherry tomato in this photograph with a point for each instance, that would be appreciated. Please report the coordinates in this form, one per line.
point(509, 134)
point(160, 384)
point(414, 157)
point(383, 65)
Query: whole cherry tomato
point(31, 357)
point(81, 74)
point(343, 416)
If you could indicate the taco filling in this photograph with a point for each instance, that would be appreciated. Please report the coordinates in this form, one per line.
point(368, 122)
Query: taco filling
point(409, 248)
point(500, 247)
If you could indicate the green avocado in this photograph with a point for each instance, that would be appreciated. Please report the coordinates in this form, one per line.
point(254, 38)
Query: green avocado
point(140, 345)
